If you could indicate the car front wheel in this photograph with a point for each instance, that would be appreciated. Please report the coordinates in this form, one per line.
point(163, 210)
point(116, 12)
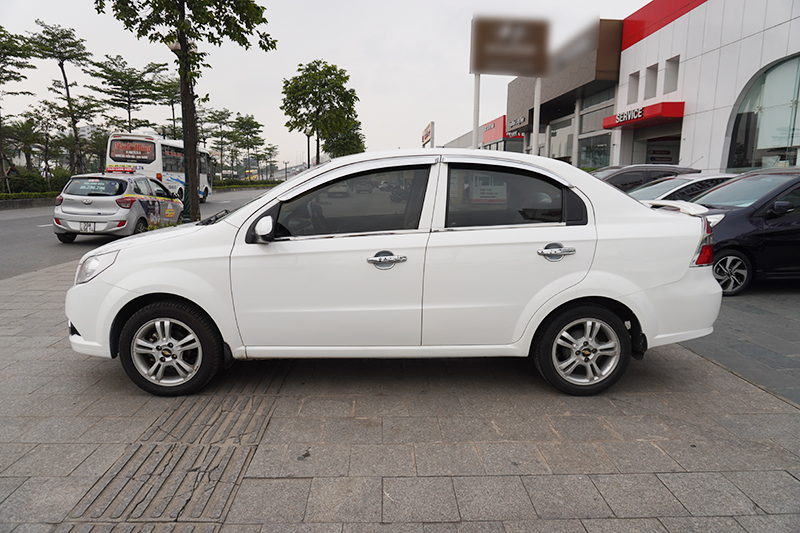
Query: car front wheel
point(169, 348)
point(583, 350)
point(733, 272)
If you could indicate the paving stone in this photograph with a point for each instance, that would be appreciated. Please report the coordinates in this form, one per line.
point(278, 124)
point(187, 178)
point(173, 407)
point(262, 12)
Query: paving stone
point(295, 528)
point(708, 494)
point(701, 524)
point(582, 428)
point(115, 430)
point(624, 525)
point(412, 499)
point(381, 406)
point(44, 499)
point(327, 406)
point(11, 452)
point(544, 526)
point(492, 498)
point(576, 458)
point(57, 429)
point(23, 384)
point(382, 528)
point(486, 405)
point(639, 428)
point(770, 524)
point(564, 497)
point(497, 429)
point(775, 492)
point(267, 460)
point(447, 459)
point(314, 460)
point(702, 456)
point(639, 457)
point(102, 458)
point(637, 496)
point(352, 430)
point(439, 405)
point(402, 430)
point(52, 460)
point(349, 499)
point(260, 501)
point(382, 460)
point(286, 430)
point(512, 458)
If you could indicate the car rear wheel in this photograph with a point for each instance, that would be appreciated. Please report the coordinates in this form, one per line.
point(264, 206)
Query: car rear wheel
point(583, 350)
point(141, 226)
point(169, 348)
point(733, 272)
point(66, 237)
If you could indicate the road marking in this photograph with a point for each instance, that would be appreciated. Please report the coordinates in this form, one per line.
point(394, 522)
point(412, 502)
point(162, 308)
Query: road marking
point(226, 202)
point(44, 226)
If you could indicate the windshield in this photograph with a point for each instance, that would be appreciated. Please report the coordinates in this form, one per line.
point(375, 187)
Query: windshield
point(654, 189)
point(744, 191)
point(95, 187)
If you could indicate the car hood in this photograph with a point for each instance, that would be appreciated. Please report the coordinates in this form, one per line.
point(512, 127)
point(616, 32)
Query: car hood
point(145, 239)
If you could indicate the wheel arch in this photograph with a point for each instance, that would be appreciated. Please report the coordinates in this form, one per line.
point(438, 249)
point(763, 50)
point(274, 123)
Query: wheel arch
point(128, 310)
point(742, 250)
point(628, 317)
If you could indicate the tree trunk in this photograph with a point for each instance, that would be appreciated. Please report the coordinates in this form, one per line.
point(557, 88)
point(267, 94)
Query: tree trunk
point(79, 166)
point(2, 158)
point(189, 125)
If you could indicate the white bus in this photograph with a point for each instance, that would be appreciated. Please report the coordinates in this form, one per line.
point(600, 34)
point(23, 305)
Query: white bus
point(158, 158)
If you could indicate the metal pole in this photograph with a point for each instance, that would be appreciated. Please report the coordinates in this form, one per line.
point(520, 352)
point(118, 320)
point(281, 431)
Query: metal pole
point(537, 104)
point(476, 111)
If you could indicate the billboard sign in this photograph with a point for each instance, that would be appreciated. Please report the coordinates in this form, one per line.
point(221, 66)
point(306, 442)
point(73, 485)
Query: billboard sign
point(507, 46)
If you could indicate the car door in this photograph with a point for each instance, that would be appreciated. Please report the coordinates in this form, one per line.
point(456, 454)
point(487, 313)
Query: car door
point(342, 270)
point(166, 203)
point(493, 257)
point(141, 187)
point(780, 236)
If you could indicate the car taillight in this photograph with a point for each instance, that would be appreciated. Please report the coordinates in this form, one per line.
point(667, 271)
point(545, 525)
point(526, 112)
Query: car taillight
point(59, 199)
point(125, 203)
point(705, 251)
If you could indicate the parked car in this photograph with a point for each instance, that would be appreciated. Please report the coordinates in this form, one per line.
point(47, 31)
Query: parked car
point(539, 260)
point(341, 189)
point(363, 186)
point(683, 187)
point(756, 222)
point(112, 204)
point(630, 176)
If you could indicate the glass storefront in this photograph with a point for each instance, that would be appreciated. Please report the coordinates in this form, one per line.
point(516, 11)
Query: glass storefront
point(766, 130)
point(594, 152)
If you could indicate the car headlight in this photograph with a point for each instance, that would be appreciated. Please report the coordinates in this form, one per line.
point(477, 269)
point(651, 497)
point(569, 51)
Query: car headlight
point(93, 266)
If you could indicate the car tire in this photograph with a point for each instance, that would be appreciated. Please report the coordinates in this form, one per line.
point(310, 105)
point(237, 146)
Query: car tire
point(140, 227)
point(582, 350)
point(66, 237)
point(733, 271)
point(169, 348)
point(204, 197)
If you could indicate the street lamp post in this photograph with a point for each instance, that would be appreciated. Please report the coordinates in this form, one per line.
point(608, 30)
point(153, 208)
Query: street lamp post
point(309, 132)
point(285, 170)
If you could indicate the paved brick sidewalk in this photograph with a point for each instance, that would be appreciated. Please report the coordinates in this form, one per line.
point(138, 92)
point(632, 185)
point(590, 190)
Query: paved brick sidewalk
point(432, 446)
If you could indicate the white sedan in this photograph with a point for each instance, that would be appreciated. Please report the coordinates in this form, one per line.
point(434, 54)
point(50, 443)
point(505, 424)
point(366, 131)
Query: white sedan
point(486, 254)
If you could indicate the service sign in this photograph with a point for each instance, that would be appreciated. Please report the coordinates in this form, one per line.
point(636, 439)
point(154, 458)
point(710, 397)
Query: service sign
point(627, 116)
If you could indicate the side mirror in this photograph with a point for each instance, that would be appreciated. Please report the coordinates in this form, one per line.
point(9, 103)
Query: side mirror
point(264, 228)
point(780, 208)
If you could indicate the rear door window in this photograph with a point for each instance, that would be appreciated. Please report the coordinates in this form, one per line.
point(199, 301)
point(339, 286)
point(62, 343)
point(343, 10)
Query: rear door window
point(95, 187)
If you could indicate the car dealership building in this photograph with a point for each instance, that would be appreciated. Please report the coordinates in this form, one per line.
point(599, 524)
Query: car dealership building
point(711, 84)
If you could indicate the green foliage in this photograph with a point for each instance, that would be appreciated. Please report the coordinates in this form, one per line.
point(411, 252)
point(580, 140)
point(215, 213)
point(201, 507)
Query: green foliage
point(347, 142)
point(14, 57)
point(125, 87)
point(209, 21)
point(317, 101)
point(28, 195)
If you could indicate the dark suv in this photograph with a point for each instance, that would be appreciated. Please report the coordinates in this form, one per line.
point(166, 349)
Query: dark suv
point(630, 176)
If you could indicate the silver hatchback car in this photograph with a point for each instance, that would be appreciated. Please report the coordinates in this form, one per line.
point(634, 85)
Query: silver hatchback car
point(113, 204)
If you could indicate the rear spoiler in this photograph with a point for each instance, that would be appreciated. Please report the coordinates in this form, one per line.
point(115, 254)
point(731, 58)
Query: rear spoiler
point(689, 208)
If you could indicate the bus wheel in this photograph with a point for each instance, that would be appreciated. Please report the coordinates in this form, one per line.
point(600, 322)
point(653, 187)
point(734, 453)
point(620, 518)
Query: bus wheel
point(204, 197)
point(180, 194)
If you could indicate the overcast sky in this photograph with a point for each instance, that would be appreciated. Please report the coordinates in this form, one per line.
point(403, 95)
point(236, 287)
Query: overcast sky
point(408, 60)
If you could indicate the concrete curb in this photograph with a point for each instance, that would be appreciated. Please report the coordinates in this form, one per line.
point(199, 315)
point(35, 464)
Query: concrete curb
point(25, 203)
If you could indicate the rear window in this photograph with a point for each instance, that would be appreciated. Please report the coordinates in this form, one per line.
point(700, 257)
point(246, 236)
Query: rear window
point(95, 187)
point(127, 151)
point(744, 191)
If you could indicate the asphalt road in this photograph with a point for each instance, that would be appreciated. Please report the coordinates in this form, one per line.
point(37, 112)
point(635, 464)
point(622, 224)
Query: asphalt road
point(27, 242)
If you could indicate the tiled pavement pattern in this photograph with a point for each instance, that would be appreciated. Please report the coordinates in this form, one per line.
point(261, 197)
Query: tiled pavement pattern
point(431, 446)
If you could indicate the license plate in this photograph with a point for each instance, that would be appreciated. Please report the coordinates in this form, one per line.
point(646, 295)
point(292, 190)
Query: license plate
point(87, 227)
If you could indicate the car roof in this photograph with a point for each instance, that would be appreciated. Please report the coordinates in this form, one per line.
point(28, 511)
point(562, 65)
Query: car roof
point(110, 175)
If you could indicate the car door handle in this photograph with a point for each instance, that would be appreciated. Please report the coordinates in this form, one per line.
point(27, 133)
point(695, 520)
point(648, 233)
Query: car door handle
point(385, 260)
point(555, 251)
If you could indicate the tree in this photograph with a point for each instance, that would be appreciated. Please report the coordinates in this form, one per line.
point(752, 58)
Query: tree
point(169, 90)
point(219, 120)
point(181, 23)
point(125, 87)
point(61, 44)
point(24, 135)
point(45, 115)
point(350, 141)
point(317, 101)
point(247, 134)
point(15, 54)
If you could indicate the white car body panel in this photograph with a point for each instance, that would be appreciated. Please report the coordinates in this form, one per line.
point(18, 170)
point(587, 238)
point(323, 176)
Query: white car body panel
point(269, 300)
